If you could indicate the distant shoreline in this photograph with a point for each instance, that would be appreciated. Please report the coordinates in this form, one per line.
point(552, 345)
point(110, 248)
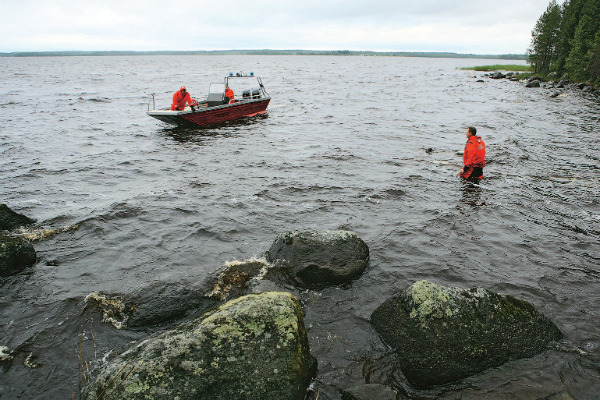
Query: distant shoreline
point(264, 52)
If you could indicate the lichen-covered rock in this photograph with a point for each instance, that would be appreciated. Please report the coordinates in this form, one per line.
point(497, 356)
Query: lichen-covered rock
point(318, 258)
point(15, 255)
point(444, 334)
point(10, 220)
point(253, 347)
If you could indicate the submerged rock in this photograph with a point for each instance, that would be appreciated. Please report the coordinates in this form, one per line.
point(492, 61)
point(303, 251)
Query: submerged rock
point(5, 354)
point(318, 258)
point(114, 310)
point(444, 334)
point(15, 255)
point(370, 392)
point(10, 220)
point(253, 347)
point(150, 306)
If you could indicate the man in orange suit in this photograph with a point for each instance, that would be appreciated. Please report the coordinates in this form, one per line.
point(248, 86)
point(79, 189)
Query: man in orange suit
point(180, 98)
point(473, 157)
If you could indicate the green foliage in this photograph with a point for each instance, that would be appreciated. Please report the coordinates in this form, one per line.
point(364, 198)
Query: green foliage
point(499, 67)
point(545, 39)
point(566, 40)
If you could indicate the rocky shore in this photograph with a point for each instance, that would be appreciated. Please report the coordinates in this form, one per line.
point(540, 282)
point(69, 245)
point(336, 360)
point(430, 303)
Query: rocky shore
point(557, 85)
point(246, 336)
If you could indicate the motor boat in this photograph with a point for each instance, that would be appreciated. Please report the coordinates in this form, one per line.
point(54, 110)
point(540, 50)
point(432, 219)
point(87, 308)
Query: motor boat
point(217, 109)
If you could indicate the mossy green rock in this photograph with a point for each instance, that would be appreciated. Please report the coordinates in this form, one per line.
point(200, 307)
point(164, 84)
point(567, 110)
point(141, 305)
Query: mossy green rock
point(15, 255)
point(444, 334)
point(10, 220)
point(253, 347)
point(318, 258)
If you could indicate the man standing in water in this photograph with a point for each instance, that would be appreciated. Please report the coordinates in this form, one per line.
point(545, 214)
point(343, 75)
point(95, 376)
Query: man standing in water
point(473, 157)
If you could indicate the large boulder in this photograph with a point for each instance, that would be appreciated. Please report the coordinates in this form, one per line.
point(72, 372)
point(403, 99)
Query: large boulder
point(15, 255)
point(444, 334)
point(253, 347)
point(318, 258)
point(10, 220)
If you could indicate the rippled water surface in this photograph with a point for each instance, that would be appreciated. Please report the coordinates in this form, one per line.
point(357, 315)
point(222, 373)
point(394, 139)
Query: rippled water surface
point(343, 146)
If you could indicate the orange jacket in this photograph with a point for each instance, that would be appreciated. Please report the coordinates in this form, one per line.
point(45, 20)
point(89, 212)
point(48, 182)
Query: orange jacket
point(179, 100)
point(474, 156)
point(229, 93)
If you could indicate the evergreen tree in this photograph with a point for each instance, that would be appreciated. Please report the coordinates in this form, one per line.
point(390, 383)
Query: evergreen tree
point(594, 67)
point(570, 11)
point(545, 39)
point(579, 61)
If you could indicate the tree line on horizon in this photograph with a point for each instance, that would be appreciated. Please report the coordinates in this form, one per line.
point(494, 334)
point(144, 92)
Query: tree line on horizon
point(566, 41)
point(265, 52)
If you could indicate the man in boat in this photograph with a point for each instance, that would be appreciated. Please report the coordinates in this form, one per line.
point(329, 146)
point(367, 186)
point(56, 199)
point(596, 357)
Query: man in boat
point(473, 157)
point(180, 98)
point(228, 94)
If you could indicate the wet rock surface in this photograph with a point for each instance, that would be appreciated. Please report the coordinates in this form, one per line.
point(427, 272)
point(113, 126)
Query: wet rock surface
point(370, 392)
point(318, 258)
point(10, 220)
point(233, 279)
point(15, 255)
point(252, 347)
point(152, 306)
point(444, 334)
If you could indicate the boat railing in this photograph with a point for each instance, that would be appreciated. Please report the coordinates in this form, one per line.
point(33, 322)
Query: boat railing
point(152, 95)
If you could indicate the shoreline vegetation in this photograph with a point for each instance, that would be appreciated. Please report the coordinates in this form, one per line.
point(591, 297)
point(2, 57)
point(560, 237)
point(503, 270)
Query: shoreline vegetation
point(499, 67)
point(264, 52)
point(565, 42)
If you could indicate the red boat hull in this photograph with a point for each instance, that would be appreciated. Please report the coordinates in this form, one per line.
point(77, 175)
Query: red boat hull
point(213, 115)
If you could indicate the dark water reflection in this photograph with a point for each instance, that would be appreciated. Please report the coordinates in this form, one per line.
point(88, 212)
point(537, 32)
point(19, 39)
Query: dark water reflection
point(369, 144)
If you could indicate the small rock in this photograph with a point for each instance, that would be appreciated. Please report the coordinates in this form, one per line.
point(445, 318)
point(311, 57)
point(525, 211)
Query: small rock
point(5, 354)
point(561, 84)
point(15, 255)
point(232, 281)
point(10, 220)
point(533, 84)
point(318, 258)
point(555, 94)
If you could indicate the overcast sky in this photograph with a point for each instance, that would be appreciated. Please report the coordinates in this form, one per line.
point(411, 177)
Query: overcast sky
point(463, 26)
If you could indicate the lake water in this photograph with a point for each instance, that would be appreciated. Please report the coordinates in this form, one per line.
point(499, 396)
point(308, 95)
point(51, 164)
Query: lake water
point(343, 146)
